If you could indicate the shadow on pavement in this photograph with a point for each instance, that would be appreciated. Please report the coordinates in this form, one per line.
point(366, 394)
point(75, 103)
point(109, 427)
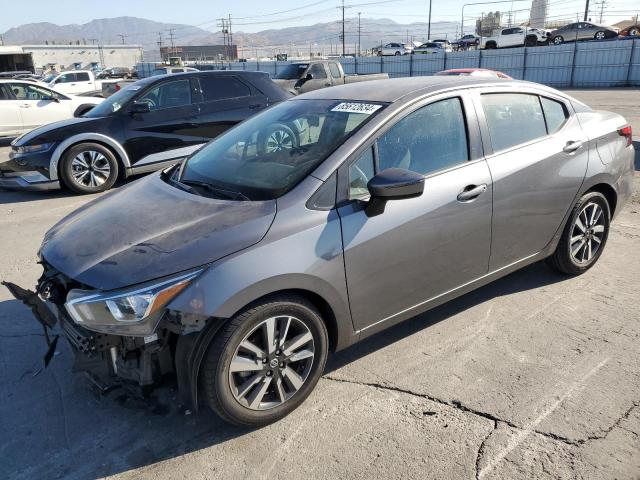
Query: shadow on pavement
point(56, 425)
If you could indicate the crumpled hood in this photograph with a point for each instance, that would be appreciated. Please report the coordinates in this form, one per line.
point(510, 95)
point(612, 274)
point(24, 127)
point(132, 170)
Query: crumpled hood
point(286, 85)
point(148, 230)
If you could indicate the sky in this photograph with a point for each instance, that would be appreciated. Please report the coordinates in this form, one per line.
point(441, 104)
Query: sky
point(256, 15)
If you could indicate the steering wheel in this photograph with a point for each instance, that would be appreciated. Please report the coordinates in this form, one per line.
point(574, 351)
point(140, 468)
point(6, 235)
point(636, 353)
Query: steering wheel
point(151, 103)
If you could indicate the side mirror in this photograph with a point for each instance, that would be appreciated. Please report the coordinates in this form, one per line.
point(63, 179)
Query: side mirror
point(52, 98)
point(392, 184)
point(139, 107)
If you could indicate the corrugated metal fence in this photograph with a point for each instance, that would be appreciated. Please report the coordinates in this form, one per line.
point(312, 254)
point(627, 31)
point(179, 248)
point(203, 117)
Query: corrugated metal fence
point(611, 63)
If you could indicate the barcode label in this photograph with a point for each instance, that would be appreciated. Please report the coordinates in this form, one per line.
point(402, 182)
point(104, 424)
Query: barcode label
point(366, 108)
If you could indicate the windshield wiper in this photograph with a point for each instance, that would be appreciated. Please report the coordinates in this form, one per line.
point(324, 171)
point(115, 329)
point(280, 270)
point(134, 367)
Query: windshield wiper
point(230, 194)
point(167, 176)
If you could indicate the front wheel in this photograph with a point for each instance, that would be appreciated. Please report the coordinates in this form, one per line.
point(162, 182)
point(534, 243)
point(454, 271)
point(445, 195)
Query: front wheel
point(397, 53)
point(88, 168)
point(584, 236)
point(265, 362)
point(600, 35)
point(558, 40)
point(634, 32)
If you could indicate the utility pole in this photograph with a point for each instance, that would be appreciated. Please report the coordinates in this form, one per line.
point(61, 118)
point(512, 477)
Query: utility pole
point(586, 10)
point(230, 38)
point(429, 25)
point(343, 7)
point(171, 37)
point(602, 4)
point(122, 37)
point(159, 43)
point(359, 31)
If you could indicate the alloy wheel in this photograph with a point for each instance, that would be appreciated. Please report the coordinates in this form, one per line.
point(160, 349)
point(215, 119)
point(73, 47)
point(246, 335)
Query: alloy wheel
point(634, 32)
point(271, 363)
point(279, 140)
point(90, 168)
point(587, 233)
point(600, 35)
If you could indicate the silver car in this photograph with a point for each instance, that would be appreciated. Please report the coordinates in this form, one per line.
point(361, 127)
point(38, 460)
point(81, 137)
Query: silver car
point(581, 31)
point(243, 267)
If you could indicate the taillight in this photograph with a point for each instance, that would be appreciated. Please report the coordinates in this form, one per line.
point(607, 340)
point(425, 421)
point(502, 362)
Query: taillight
point(117, 87)
point(626, 132)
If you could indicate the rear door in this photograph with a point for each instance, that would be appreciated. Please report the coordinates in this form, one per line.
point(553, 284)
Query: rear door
point(536, 151)
point(84, 83)
point(169, 131)
point(10, 119)
point(418, 249)
point(223, 101)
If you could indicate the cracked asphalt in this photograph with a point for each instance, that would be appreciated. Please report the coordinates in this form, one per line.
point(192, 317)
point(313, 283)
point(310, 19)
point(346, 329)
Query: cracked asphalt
point(534, 376)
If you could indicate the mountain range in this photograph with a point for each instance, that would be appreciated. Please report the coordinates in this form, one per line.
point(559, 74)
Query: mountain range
point(319, 37)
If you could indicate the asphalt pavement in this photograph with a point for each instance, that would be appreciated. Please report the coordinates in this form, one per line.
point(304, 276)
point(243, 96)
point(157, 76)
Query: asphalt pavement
point(534, 376)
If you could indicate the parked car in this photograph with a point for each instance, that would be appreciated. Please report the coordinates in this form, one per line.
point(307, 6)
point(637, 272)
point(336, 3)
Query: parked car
point(73, 82)
point(394, 49)
point(242, 269)
point(115, 72)
point(515, 37)
point(472, 72)
point(146, 126)
point(109, 88)
point(631, 31)
point(467, 41)
point(431, 47)
point(25, 106)
point(169, 69)
point(581, 31)
point(301, 77)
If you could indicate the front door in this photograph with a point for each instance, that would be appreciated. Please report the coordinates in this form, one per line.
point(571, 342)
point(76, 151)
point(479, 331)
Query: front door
point(539, 162)
point(419, 248)
point(169, 131)
point(39, 106)
point(320, 78)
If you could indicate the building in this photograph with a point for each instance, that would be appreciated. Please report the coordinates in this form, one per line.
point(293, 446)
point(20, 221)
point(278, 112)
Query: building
point(488, 23)
point(538, 14)
point(200, 53)
point(40, 58)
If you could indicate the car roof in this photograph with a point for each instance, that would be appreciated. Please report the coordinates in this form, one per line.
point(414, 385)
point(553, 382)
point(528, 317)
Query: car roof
point(392, 90)
point(219, 73)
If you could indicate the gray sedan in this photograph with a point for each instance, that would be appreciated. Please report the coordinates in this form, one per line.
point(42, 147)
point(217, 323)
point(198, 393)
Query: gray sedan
point(581, 31)
point(243, 267)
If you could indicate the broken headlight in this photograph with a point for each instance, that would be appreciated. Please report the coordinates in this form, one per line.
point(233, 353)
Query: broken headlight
point(131, 311)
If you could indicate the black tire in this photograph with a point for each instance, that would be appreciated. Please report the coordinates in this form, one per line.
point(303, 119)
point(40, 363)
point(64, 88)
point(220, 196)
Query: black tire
point(103, 166)
point(600, 35)
point(634, 32)
point(278, 136)
point(558, 40)
point(531, 41)
point(215, 376)
point(491, 45)
point(397, 53)
point(562, 259)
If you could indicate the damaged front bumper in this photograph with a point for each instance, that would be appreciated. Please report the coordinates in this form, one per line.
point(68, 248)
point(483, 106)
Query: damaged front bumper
point(176, 347)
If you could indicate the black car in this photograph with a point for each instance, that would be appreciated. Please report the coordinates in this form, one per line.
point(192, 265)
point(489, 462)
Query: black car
point(148, 125)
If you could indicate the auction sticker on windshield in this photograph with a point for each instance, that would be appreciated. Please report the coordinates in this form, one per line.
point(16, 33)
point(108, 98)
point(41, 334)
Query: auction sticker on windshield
point(366, 108)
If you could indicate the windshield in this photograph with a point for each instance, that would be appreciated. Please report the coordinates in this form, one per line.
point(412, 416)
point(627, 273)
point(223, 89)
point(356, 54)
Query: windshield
point(49, 78)
point(292, 71)
point(267, 155)
point(114, 103)
point(158, 71)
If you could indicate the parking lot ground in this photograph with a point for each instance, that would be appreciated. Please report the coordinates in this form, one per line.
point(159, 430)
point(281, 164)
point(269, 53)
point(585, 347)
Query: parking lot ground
point(534, 376)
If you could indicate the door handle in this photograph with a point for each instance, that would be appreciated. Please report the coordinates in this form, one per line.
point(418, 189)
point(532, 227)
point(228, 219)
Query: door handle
point(25, 105)
point(572, 146)
point(471, 192)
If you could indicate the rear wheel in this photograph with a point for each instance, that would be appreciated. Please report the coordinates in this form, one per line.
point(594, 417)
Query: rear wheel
point(600, 35)
point(397, 53)
point(558, 40)
point(491, 45)
point(265, 361)
point(584, 236)
point(531, 41)
point(634, 32)
point(89, 168)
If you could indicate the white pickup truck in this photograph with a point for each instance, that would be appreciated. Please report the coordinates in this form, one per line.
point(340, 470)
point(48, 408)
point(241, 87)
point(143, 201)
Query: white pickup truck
point(301, 77)
point(73, 82)
point(516, 37)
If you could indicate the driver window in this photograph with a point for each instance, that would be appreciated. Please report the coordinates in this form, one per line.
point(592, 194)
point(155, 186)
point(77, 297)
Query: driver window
point(360, 172)
point(170, 94)
point(317, 70)
point(30, 92)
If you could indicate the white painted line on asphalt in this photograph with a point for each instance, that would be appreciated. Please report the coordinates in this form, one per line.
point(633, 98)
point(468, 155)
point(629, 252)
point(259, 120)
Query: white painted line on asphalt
point(519, 437)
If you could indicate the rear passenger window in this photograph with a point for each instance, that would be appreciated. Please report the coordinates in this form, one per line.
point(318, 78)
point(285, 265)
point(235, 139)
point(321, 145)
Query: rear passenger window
point(335, 70)
point(513, 118)
point(555, 113)
point(221, 87)
point(429, 139)
point(82, 77)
